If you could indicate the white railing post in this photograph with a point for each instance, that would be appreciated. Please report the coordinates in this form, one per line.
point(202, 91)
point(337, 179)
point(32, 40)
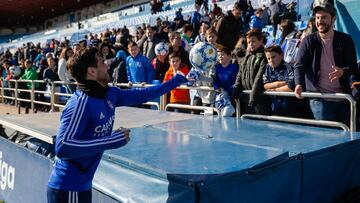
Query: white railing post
point(2, 91)
point(32, 96)
point(17, 103)
point(52, 96)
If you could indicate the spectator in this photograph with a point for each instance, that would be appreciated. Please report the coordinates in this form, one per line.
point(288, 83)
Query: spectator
point(178, 14)
point(288, 31)
point(256, 20)
point(276, 9)
point(62, 72)
point(212, 38)
point(187, 31)
point(95, 41)
point(201, 37)
point(76, 47)
point(310, 28)
point(50, 75)
point(177, 96)
point(30, 74)
point(158, 26)
point(249, 77)
point(195, 21)
point(289, 41)
point(167, 7)
point(217, 10)
point(6, 76)
point(326, 62)
point(290, 13)
point(240, 50)
point(225, 71)
point(150, 43)
point(139, 69)
point(161, 63)
point(156, 6)
point(178, 24)
point(106, 51)
point(164, 32)
point(139, 35)
point(42, 86)
point(205, 97)
point(176, 46)
point(118, 68)
point(265, 15)
point(230, 27)
point(279, 77)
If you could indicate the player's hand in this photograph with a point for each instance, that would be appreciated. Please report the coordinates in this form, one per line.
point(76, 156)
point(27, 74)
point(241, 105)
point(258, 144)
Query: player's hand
point(126, 132)
point(130, 84)
point(298, 91)
point(336, 74)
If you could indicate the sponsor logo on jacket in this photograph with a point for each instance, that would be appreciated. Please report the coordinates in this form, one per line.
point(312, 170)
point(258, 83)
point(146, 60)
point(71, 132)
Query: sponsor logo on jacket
point(104, 129)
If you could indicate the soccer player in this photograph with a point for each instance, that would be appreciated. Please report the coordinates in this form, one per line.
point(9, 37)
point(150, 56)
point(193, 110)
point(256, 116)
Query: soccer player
point(86, 125)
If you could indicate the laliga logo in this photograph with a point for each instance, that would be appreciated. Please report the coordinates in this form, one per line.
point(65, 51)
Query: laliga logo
point(7, 175)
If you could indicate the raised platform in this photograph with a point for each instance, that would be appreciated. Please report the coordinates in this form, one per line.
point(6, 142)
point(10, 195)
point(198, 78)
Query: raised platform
point(175, 157)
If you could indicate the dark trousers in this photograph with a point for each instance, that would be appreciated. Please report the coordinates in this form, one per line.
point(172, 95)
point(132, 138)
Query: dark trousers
point(262, 106)
point(330, 110)
point(61, 196)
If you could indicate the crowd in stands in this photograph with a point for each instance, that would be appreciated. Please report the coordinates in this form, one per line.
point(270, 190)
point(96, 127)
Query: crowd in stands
point(248, 59)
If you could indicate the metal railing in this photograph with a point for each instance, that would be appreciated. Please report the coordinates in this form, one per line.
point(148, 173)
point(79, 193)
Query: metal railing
point(162, 104)
point(15, 95)
point(309, 121)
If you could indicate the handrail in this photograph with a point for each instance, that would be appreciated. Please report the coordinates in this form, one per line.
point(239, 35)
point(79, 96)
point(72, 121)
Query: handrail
point(159, 105)
point(162, 105)
point(298, 121)
point(207, 110)
point(314, 95)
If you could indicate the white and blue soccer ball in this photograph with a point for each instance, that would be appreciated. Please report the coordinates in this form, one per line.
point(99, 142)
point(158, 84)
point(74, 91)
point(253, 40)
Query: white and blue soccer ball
point(161, 49)
point(203, 56)
point(15, 71)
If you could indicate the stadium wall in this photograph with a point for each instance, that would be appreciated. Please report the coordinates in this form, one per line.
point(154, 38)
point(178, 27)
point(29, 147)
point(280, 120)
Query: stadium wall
point(348, 20)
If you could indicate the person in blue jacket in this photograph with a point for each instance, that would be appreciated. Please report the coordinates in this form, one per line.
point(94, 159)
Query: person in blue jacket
point(86, 125)
point(139, 68)
point(256, 20)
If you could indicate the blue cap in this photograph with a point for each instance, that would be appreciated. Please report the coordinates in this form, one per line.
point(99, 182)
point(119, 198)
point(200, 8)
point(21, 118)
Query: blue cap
point(121, 54)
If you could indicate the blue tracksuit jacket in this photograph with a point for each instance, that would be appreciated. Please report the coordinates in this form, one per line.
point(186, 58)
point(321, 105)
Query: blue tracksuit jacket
point(86, 132)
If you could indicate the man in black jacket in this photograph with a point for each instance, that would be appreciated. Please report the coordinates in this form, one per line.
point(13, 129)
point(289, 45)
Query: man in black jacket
point(230, 27)
point(326, 62)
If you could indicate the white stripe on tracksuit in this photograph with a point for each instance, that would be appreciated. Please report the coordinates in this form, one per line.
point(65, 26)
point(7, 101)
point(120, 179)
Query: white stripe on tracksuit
point(74, 124)
point(73, 197)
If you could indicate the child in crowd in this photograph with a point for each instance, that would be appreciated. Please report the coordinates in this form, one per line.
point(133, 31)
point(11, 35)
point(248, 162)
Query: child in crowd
point(279, 77)
point(212, 37)
point(178, 96)
point(225, 71)
point(256, 20)
point(139, 69)
point(202, 35)
point(187, 31)
point(249, 77)
point(161, 63)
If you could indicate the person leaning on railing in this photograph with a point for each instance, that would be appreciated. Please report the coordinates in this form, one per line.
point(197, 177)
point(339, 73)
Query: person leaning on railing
point(326, 63)
point(30, 74)
point(249, 77)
